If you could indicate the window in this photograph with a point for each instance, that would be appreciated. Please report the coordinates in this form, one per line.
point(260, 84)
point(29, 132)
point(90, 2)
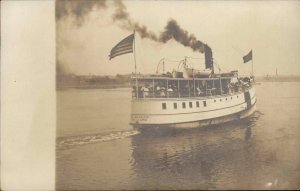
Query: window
point(220, 99)
point(204, 103)
point(175, 105)
point(197, 104)
point(183, 105)
point(191, 104)
point(164, 106)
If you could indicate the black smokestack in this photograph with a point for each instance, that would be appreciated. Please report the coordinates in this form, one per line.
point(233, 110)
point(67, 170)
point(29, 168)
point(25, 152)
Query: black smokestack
point(208, 57)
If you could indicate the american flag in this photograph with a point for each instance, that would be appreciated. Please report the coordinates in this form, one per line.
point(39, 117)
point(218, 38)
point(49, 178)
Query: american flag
point(123, 47)
point(248, 57)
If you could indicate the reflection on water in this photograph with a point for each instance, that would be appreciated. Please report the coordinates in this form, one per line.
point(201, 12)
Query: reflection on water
point(192, 158)
point(97, 149)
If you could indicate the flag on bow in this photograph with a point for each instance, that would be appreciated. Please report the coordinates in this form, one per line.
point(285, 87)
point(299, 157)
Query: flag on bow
point(248, 57)
point(123, 47)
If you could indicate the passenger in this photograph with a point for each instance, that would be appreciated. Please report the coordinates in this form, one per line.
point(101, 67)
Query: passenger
point(145, 92)
point(229, 88)
point(156, 90)
point(139, 93)
point(162, 92)
point(175, 91)
point(198, 91)
point(170, 91)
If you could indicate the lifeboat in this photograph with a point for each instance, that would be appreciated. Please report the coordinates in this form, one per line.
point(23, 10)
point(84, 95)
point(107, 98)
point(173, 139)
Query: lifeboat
point(190, 73)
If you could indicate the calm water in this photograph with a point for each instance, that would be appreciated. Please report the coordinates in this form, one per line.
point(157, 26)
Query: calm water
point(97, 149)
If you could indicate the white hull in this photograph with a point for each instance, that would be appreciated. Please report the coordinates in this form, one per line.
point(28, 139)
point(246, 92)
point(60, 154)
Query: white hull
point(211, 110)
point(210, 122)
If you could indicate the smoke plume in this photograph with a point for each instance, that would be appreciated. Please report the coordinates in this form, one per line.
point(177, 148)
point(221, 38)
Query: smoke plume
point(80, 8)
point(171, 31)
point(77, 8)
point(122, 17)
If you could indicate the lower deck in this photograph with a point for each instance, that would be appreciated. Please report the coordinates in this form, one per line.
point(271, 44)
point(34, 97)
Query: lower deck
point(184, 110)
point(206, 122)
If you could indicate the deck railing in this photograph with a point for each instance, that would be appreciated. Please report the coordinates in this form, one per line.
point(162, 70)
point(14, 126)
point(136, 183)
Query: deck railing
point(185, 88)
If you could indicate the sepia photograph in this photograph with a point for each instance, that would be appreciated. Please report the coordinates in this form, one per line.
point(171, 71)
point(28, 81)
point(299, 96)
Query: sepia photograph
point(154, 95)
point(162, 95)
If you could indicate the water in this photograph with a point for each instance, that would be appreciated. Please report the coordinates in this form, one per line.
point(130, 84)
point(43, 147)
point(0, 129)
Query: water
point(98, 149)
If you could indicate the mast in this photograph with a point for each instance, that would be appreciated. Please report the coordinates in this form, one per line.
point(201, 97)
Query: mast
point(212, 66)
point(136, 81)
point(252, 63)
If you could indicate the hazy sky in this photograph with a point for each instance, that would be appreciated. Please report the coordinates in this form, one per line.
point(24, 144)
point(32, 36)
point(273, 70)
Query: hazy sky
point(231, 29)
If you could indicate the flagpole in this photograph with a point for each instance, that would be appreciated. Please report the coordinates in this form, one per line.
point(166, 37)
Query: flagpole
point(252, 64)
point(136, 81)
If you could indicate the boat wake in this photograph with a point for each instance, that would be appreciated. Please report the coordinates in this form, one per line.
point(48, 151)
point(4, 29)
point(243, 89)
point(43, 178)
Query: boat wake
point(68, 142)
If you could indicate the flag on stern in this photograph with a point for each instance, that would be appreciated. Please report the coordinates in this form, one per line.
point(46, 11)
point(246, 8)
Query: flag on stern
point(125, 46)
point(248, 57)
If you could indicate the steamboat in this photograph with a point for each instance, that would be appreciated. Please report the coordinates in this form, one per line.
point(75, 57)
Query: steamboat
point(191, 98)
point(188, 97)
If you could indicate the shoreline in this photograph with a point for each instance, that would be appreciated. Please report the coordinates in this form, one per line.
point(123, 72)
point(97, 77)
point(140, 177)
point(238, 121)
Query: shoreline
point(114, 86)
point(102, 86)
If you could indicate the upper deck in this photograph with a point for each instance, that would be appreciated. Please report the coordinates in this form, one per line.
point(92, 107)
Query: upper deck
point(151, 87)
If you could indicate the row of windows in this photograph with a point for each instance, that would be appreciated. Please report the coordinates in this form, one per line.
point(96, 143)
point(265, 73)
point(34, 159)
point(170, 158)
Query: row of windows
point(225, 99)
point(164, 105)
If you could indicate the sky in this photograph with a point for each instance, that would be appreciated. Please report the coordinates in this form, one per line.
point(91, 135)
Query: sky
point(86, 31)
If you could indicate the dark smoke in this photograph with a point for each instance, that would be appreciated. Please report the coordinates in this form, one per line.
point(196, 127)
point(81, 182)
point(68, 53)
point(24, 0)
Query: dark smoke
point(174, 31)
point(127, 23)
point(171, 31)
point(80, 8)
point(77, 8)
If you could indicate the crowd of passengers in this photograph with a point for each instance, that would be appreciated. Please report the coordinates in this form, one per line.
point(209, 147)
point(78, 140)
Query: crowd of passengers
point(160, 91)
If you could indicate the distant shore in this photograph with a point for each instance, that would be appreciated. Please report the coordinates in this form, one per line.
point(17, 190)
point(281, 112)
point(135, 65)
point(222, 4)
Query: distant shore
point(123, 81)
point(278, 79)
point(98, 86)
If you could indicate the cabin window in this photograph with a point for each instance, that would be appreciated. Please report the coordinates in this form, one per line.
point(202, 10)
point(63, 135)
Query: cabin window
point(164, 106)
point(175, 105)
point(197, 104)
point(183, 105)
point(191, 104)
point(204, 103)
